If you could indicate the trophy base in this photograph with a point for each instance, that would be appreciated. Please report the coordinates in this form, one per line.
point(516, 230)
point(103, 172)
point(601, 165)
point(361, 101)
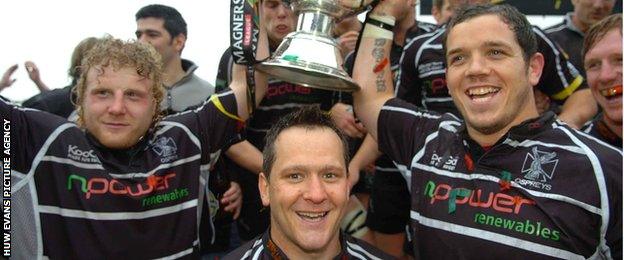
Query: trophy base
point(309, 74)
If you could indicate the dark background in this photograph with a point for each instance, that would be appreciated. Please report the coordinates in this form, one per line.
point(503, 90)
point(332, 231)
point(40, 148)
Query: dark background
point(531, 7)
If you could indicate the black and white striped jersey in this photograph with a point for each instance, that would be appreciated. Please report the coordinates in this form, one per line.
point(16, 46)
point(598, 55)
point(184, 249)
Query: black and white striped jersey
point(570, 39)
point(263, 248)
point(599, 129)
point(422, 77)
point(543, 190)
point(73, 198)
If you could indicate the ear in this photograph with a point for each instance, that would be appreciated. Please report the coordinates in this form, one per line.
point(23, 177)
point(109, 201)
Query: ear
point(179, 42)
point(536, 64)
point(435, 13)
point(263, 186)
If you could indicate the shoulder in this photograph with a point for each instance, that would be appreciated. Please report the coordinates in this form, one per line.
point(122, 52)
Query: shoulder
point(363, 250)
point(556, 28)
point(247, 250)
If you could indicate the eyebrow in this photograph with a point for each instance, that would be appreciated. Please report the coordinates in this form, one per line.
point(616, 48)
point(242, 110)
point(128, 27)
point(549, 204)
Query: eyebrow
point(485, 44)
point(496, 44)
point(147, 31)
point(303, 168)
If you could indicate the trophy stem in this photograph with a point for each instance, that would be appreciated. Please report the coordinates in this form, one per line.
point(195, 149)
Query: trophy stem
point(316, 23)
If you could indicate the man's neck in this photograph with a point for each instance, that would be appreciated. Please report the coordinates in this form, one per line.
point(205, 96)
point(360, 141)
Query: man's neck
point(580, 25)
point(489, 139)
point(401, 28)
point(294, 252)
point(615, 127)
point(173, 72)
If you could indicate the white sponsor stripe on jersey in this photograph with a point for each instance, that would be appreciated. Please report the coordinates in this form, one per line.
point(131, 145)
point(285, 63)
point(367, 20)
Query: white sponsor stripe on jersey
point(412, 112)
point(42, 151)
point(358, 248)
point(557, 54)
point(283, 106)
point(494, 237)
point(258, 251)
point(186, 130)
point(179, 254)
point(50, 158)
point(83, 214)
point(442, 71)
point(160, 167)
point(250, 251)
point(355, 254)
point(530, 143)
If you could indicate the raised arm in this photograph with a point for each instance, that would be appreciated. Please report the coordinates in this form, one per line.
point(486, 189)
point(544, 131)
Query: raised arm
point(372, 66)
point(239, 80)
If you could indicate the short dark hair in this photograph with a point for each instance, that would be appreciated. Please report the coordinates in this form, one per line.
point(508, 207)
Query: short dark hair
point(309, 117)
point(600, 29)
point(516, 21)
point(174, 23)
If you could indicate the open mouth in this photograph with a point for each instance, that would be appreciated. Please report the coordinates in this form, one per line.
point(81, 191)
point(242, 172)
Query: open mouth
point(611, 93)
point(482, 93)
point(281, 28)
point(312, 216)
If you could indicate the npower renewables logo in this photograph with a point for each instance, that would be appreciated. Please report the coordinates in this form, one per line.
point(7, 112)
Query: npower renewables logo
point(477, 198)
point(100, 186)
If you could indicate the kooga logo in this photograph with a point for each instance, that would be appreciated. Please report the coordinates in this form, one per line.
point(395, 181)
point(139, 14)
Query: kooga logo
point(79, 155)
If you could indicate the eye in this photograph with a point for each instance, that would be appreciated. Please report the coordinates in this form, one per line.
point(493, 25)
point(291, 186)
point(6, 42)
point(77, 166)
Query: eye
point(330, 175)
point(295, 177)
point(594, 65)
point(132, 95)
point(496, 52)
point(456, 59)
point(101, 93)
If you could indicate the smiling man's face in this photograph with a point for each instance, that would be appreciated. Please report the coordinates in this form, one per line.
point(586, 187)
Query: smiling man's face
point(487, 76)
point(307, 190)
point(118, 106)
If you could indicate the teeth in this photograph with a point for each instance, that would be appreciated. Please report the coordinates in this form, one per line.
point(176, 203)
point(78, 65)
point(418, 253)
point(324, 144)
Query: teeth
point(311, 214)
point(617, 90)
point(482, 91)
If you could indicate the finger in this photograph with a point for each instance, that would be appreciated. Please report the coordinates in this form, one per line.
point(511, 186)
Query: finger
point(236, 213)
point(350, 130)
point(12, 68)
point(229, 192)
point(360, 127)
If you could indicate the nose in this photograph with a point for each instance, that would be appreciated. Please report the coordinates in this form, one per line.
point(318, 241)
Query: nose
point(609, 73)
point(142, 38)
point(118, 106)
point(282, 11)
point(477, 66)
point(315, 191)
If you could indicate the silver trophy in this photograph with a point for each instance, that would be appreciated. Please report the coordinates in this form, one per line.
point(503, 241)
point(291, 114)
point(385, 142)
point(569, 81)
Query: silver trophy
point(310, 56)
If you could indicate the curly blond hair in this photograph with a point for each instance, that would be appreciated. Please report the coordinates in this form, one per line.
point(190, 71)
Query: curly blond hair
point(120, 54)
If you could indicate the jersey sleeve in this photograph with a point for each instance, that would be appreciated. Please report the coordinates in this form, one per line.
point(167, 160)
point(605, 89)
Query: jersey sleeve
point(215, 123)
point(559, 77)
point(402, 129)
point(28, 130)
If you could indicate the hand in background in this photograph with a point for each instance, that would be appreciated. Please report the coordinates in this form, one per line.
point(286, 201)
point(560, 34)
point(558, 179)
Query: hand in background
point(6, 78)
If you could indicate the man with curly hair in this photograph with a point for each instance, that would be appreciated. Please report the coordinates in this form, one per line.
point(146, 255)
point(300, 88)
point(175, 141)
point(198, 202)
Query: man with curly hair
point(124, 183)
